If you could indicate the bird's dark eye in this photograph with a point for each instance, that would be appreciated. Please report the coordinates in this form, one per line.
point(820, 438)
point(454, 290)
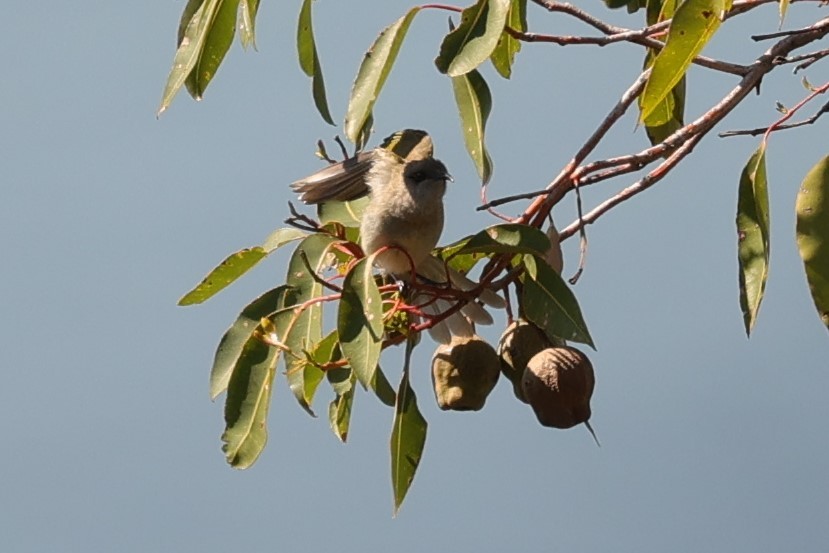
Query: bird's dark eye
point(418, 176)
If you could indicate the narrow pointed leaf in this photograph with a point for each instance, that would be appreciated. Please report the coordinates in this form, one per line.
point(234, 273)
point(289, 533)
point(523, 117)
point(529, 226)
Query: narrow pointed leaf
point(694, 23)
point(550, 304)
point(360, 321)
point(339, 410)
point(474, 104)
point(309, 60)
point(382, 388)
point(753, 236)
point(408, 437)
point(508, 238)
point(304, 329)
point(372, 75)
point(813, 234)
point(217, 42)
point(247, 22)
point(669, 115)
point(784, 7)
point(503, 55)
point(246, 407)
point(234, 340)
point(473, 41)
point(234, 266)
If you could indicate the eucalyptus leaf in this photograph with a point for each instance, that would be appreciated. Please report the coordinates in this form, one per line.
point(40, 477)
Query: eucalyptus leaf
point(360, 321)
point(247, 22)
point(503, 55)
point(372, 75)
point(309, 60)
point(248, 400)
point(234, 266)
point(216, 43)
point(813, 234)
point(339, 411)
point(474, 104)
point(508, 238)
point(550, 304)
point(753, 236)
point(280, 237)
point(347, 214)
point(475, 38)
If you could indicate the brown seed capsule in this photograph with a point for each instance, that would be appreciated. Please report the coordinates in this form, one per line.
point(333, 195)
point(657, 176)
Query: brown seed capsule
point(558, 384)
point(464, 372)
point(518, 344)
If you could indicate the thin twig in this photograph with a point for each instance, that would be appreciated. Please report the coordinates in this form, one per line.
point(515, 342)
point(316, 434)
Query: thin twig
point(779, 125)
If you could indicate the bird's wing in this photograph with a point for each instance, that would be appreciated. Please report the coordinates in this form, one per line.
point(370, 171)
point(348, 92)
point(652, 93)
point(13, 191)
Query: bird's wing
point(341, 181)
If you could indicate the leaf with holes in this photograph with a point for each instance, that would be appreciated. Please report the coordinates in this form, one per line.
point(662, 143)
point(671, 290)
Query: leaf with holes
point(234, 266)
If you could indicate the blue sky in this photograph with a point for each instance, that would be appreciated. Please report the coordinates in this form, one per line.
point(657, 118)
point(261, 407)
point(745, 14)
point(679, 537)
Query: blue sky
point(108, 215)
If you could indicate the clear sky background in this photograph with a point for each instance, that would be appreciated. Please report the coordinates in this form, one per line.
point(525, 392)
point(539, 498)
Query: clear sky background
point(710, 442)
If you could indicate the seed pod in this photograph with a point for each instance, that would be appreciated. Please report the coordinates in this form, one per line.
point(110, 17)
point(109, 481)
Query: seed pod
point(464, 372)
point(558, 384)
point(518, 344)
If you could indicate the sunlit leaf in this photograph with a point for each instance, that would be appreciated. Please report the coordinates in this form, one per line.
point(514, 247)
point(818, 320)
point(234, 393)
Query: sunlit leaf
point(372, 75)
point(234, 266)
point(217, 42)
point(304, 330)
point(246, 407)
point(347, 214)
point(473, 41)
point(694, 23)
point(813, 234)
point(669, 114)
point(360, 321)
point(280, 237)
point(504, 53)
point(247, 24)
point(408, 437)
point(550, 304)
point(234, 340)
point(508, 238)
point(309, 60)
point(474, 104)
point(753, 236)
point(784, 8)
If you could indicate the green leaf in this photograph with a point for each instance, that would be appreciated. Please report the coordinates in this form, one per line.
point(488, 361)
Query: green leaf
point(360, 320)
point(753, 236)
point(372, 75)
point(246, 407)
point(304, 329)
point(474, 104)
point(813, 234)
point(550, 304)
point(339, 410)
point(247, 26)
point(347, 214)
point(408, 437)
point(382, 388)
point(234, 266)
point(309, 60)
point(280, 237)
point(504, 53)
point(508, 238)
point(216, 44)
point(233, 342)
point(694, 23)
point(475, 38)
point(669, 115)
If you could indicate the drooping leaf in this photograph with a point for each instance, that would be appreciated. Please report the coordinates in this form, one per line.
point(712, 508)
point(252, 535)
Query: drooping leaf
point(233, 342)
point(508, 238)
point(360, 320)
point(475, 38)
point(455, 259)
point(408, 436)
point(339, 410)
point(309, 60)
point(694, 23)
point(784, 7)
point(550, 304)
point(304, 329)
point(813, 234)
point(247, 22)
point(669, 114)
point(372, 75)
point(382, 388)
point(217, 42)
point(280, 237)
point(347, 214)
point(504, 53)
point(248, 400)
point(234, 266)
point(753, 236)
point(474, 104)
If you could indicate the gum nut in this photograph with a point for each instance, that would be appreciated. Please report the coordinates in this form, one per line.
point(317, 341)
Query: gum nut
point(464, 372)
point(518, 344)
point(558, 384)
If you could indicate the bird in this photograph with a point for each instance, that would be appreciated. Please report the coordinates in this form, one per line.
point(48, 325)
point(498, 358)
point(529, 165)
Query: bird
point(404, 216)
